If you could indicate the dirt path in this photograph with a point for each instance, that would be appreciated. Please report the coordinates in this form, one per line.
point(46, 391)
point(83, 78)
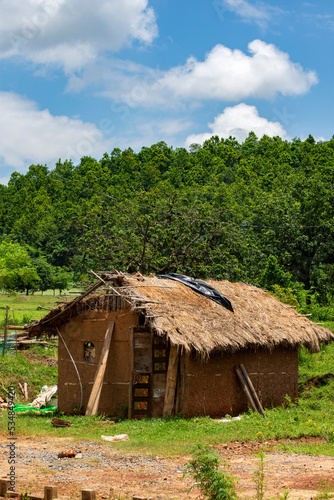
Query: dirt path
point(113, 473)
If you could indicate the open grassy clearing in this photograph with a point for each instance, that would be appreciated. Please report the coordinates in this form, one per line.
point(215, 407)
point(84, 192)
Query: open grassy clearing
point(311, 416)
point(25, 308)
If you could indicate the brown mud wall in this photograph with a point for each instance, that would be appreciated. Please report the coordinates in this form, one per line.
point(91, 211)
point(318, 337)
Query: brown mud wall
point(92, 327)
point(212, 388)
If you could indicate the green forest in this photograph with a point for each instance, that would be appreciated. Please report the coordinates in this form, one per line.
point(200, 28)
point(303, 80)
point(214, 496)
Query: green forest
point(260, 212)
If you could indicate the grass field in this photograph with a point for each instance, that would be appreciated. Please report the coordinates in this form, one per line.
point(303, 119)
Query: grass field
point(25, 308)
point(311, 416)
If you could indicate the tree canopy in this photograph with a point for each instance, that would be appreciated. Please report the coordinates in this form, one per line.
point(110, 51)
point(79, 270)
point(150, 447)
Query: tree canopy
point(260, 211)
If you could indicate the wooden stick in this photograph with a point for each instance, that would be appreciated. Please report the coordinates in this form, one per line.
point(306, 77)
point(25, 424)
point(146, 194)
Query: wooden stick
point(246, 390)
point(126, 297)
point(140, 299)
point(146, 286)
point(33, 341)
point(21, 388)
point(13, 327)
point(107, 284)
point(75, 301)
point(252, 390)
point(25, 387)
point(5, 334)
point(95, 394)
point(173, 362)
point(46, 308)
point(4, 388)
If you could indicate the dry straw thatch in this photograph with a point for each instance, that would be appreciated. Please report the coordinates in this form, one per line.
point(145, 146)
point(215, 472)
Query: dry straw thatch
point(193, 321)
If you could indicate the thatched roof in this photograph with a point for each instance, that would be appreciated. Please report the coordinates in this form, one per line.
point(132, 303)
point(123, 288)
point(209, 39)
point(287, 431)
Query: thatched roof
point(196, 322)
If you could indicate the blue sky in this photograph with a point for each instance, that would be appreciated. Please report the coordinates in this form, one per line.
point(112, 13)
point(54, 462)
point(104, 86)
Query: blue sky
point(79, 77)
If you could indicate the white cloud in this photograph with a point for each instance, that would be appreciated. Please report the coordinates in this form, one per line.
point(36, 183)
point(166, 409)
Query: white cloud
point(238, 121)
point(4, 180)
point(260, 13)
point(30, 135)
point(225, 74)
point(167, 130)
point(70, 33)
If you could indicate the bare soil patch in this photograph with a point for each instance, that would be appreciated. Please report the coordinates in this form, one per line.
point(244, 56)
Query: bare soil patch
point(112, 472)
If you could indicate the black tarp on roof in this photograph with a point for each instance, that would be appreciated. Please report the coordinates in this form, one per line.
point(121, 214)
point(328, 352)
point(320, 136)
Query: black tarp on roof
point(200, 287)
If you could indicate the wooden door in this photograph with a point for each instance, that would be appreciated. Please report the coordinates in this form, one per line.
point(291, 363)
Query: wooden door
point(149, 368)
point(141, 386)
point(159, 375)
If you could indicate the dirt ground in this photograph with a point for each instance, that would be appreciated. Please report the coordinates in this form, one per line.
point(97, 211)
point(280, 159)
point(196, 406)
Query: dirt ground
point(117, 475)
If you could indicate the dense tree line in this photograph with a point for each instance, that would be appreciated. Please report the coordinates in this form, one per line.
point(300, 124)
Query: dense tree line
point(260, 211)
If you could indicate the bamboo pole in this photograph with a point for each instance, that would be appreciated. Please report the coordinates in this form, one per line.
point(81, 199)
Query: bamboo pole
point(252, 390)
point(246, 390)
point(173, 362)
point(5, 333)
point(25, 387)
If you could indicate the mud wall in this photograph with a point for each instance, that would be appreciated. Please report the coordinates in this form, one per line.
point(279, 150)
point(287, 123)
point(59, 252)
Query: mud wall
point(212, 388)
point(79, 334)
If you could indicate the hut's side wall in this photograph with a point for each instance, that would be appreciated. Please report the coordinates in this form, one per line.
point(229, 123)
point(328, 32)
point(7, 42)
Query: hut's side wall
point(91, 327)
point(212, 388)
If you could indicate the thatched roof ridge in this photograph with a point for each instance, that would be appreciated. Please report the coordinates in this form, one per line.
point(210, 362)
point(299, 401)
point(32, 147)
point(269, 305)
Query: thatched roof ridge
point(259, 320)
point(196, 322)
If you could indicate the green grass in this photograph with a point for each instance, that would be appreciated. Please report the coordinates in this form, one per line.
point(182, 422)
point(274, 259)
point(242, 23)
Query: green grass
point(29, 366)
point(177, 436)
point(25, 308)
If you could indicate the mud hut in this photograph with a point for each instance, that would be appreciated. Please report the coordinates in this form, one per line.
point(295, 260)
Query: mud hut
point(154, 347)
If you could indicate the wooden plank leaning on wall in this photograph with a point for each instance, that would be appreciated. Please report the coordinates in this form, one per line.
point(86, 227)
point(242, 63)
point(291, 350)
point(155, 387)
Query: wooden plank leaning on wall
point(94, 398)
point(173, 363)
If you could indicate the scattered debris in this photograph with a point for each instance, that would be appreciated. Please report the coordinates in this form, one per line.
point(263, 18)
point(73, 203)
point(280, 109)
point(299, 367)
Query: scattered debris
point(225, 420)
point(3, 402)
point(57, 422)
point(117, 437)
point(69, 454)
point(24, 389)
point(44, 396)
point(26, 409)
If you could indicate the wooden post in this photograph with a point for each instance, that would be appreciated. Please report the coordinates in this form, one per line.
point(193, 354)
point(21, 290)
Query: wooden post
point(246, 390)
point(3, 487)
point(88, 495)
point(171, 381)
point(94, 397)
point(131, 376)
point(252, 390)
point(50, 493)
point(25, 388)
point(5, 333)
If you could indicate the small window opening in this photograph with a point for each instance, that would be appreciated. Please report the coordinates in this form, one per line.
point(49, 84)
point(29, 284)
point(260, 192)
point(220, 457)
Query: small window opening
point(89, 352)
point(141, 320)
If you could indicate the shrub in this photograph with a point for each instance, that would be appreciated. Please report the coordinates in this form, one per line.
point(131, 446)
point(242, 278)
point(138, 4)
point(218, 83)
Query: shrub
point(214, 483)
